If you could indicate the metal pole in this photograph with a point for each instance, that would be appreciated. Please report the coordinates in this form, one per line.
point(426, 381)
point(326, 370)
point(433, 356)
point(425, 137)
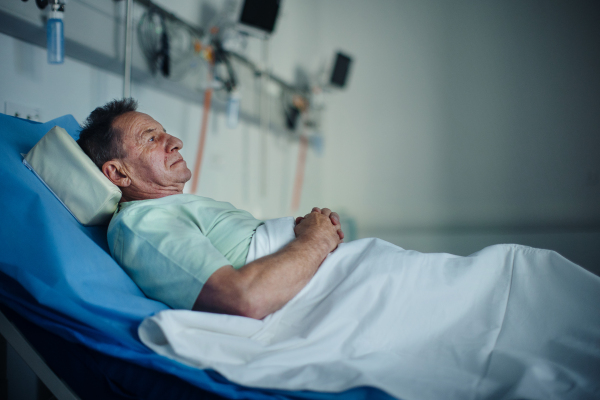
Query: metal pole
point(128, 48)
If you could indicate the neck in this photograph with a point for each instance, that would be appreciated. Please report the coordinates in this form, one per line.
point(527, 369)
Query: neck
point(132, 194)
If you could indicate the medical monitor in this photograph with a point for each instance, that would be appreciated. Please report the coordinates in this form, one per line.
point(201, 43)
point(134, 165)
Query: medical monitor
point(259, 16)
point(340, 70)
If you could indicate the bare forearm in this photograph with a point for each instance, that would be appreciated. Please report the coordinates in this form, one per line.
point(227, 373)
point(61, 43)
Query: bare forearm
point(274, 280)
point(267, 284)
point(264, 285)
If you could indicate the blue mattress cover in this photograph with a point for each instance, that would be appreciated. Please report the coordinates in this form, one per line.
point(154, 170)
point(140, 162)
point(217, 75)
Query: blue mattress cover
point(69, 284)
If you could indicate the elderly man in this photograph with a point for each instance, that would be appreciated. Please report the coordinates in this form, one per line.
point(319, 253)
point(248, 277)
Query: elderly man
point(507, 320)
point(189, 251)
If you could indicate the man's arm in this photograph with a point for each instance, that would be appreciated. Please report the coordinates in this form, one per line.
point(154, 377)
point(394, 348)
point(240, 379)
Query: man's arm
point(267, 284)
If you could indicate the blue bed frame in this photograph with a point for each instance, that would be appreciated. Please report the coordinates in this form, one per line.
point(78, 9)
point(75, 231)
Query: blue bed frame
point(60, 286)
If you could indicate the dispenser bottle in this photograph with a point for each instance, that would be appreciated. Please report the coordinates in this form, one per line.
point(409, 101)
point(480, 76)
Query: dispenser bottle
point(233, 109)
point(55, 36)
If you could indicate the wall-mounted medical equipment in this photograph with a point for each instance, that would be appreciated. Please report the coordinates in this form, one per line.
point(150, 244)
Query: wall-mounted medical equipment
point(309, 101)
point(340, 70)
point(233, 109)
point(55, 29)
point(259, 16)
point(224, 72)
point(293, 107)
point(169, 46)
point(55, 34)
point(154, 41)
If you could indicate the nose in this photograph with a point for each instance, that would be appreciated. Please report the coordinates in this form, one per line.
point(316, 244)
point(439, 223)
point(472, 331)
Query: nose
point(173, 143)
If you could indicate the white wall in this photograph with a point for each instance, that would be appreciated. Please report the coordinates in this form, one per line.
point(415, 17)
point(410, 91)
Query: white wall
point(464, 113)
point(464, 123)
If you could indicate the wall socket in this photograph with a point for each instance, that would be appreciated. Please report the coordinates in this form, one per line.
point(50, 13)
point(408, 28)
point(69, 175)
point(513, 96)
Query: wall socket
point(21, 111)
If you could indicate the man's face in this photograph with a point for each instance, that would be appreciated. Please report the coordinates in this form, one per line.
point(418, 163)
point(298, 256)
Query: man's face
point(152, 160)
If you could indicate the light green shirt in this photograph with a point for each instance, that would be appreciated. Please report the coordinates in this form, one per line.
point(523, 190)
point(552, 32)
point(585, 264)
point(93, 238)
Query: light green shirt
point(171, 246)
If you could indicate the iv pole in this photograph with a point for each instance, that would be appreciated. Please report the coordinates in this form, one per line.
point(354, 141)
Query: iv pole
point(128, 49)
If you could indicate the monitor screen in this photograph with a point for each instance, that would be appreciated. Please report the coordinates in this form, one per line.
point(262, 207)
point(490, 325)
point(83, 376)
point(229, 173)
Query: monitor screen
point(260, 14)
point(340, 70)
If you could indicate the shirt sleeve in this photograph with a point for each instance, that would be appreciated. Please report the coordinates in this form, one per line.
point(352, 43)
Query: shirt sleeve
point(166, 255)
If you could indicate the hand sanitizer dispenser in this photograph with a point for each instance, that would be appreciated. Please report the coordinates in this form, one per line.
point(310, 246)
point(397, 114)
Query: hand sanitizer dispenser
point(55, 34)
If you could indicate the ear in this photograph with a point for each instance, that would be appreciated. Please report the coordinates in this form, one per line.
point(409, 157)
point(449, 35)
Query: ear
point(115, 173)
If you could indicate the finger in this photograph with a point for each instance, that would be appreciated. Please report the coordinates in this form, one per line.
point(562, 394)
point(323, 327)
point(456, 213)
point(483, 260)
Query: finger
point(339, 242)
point(340, 234)
point(335, 218)
point(326, 212)
point(316, 209)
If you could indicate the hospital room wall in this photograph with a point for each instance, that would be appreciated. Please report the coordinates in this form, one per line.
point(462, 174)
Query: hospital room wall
point(231, 169)
point(467, 123)
point(464, 124)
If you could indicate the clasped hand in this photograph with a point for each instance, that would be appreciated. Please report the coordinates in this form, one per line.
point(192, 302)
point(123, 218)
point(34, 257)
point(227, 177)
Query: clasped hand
point(321, 225)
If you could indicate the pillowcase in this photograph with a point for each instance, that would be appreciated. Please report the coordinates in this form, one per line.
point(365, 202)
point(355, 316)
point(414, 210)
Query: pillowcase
point(73, 178)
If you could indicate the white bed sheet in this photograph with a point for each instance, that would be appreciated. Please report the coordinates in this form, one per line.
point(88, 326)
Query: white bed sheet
point(507, 322)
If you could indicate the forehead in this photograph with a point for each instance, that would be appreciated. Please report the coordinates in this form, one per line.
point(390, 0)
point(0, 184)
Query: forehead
point(133, 124)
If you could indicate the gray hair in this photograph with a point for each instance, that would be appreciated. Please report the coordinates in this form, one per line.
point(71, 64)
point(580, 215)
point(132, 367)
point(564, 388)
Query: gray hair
point(98, 138)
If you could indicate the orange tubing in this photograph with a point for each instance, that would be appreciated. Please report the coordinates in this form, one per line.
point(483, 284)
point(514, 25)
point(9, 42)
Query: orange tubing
point(205, 114)
point(302, 147)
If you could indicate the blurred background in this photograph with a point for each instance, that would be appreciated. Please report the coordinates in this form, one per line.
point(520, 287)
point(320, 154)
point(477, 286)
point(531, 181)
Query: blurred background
point(458, 125)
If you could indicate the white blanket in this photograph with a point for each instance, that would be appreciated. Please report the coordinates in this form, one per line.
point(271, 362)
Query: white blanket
point(507, 322)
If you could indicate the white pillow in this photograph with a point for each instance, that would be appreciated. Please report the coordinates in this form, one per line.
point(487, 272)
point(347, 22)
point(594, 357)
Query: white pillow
point(73, 178)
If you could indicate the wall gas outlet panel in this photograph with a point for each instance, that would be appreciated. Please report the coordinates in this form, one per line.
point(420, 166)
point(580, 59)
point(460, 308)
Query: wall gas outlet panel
point(21, 111)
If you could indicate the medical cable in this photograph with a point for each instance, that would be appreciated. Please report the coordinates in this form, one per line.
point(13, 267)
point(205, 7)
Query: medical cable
point(300, 167)
point(205, 114)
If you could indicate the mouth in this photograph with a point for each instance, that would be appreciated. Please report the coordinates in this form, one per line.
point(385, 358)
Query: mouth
point(178, 161)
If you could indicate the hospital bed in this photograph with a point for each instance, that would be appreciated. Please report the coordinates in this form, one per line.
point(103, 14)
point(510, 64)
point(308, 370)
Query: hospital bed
point(60, 288)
